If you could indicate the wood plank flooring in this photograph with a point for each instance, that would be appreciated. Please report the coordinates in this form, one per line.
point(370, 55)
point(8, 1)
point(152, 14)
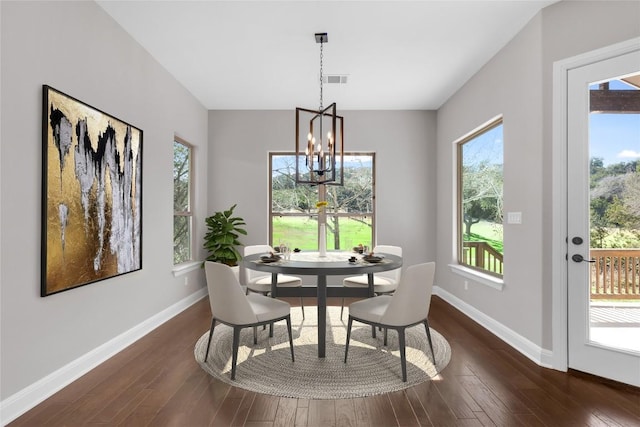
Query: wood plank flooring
point(157, 382)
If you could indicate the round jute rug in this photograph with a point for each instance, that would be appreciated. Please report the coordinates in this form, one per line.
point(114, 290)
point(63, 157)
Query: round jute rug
point(370, 369)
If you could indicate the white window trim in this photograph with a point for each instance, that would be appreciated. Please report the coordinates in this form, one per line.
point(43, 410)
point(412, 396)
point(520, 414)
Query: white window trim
point(185, 267)
point(477, 276)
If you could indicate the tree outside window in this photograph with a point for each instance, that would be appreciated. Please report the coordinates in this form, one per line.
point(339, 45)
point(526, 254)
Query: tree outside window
point(480, 200)
point(350, 208)
point(182, 201)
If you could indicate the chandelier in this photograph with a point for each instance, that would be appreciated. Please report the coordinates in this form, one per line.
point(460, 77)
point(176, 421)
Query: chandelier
point(319, 139)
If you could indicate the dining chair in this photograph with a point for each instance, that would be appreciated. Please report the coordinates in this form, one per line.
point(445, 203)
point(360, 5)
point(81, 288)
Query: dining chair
point(260, 282)
point(385, 282)
point(230, 306)
point(407, 307)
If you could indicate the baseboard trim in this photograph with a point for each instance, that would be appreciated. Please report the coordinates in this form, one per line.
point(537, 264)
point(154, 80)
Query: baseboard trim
point(532, 351)
point(30, 396)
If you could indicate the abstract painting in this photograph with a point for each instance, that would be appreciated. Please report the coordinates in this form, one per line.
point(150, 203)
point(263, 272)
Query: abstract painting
point(91, 197)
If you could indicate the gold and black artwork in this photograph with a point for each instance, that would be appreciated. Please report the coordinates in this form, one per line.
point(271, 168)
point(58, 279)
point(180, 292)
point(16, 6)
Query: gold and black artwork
point(91, 197)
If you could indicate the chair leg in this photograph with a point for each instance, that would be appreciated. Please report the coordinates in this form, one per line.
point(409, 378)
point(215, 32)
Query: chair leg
point(341, 308)
point(265, 326)
point(234, 357)
point(385, 336)
point(346, 348)
point(302, 306)
point(426, 326)
point(255, 335)
point(270, 330)
point(213, 325)
point(403, 354)
point(293, 359)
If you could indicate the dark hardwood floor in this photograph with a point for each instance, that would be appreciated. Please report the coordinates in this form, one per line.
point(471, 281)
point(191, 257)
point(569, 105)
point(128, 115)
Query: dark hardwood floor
point(157, 382)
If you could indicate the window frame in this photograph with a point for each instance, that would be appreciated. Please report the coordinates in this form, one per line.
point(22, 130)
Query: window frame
point(472, 270)
point(339, 214)
point(190, 209)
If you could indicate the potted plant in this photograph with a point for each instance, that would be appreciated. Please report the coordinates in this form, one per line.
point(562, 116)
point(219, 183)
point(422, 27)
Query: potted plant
point(221, 240)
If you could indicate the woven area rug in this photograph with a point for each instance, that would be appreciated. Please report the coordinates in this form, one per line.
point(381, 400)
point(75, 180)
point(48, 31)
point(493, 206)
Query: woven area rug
point(370, 369)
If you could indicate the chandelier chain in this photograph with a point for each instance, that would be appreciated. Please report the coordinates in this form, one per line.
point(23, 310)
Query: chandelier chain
point(321, 57)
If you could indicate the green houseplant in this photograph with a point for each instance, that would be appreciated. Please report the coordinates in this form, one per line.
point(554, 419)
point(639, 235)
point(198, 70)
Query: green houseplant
point(221, 240)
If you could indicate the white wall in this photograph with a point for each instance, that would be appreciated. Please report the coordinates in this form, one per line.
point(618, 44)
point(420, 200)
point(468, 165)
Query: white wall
point(78, 49)
point(517, 83)
point(404, 143)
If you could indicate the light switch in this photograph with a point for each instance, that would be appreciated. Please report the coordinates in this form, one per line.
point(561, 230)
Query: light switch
point(514, 217)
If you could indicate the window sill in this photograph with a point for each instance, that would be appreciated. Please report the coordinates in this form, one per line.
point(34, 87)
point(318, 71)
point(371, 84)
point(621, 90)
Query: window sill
point(476, 276)
point(185, 267)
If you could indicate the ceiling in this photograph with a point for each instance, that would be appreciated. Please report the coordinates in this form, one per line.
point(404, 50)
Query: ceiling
point(397, 55)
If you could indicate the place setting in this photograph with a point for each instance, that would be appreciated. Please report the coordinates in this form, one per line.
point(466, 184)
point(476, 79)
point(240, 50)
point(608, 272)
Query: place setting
point(270, 258)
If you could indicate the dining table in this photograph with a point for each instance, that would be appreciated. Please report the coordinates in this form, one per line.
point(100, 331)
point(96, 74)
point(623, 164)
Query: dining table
point(334, 263)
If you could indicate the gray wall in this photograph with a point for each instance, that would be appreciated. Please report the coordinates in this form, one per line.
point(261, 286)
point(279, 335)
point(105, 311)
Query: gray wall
point(517, 83)
point(78, 49)
point(404, 143)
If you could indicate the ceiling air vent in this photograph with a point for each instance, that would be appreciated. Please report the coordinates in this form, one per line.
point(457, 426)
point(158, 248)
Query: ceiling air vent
point(335, 78)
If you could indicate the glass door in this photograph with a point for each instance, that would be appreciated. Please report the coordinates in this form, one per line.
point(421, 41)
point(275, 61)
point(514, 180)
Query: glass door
point(604, 218)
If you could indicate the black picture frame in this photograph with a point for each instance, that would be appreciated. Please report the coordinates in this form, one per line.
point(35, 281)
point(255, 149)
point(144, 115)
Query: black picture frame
point(91, 194)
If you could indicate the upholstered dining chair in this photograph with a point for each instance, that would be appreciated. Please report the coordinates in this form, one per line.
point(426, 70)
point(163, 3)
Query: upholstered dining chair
point(408, 306)
point(230, 306)
point(385, 282)
point(260, 282)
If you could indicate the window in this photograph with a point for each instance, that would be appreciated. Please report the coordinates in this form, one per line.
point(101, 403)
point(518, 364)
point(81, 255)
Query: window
point(182, 201)
point(480, 182)
point(350, 209)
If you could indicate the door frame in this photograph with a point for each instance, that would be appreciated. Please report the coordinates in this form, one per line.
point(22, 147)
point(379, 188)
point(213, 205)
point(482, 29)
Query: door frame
point(559, 248)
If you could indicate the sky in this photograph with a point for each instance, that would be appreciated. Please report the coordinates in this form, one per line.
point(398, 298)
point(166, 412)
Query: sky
point(487, 147)
point(615, 138)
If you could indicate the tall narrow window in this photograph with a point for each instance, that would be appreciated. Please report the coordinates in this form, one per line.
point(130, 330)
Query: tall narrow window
point(350, 208)
point(182, 201)
point(480, 165)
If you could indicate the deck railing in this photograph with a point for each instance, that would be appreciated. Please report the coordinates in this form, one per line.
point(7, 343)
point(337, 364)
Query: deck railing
point(615, 274)
point(482, 255)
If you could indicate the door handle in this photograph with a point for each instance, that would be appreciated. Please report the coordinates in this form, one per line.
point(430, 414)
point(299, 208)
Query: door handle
point(580, 258)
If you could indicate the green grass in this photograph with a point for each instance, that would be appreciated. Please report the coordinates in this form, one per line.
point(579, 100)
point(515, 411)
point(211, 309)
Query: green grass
point(489, 232)
point(302, 232)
